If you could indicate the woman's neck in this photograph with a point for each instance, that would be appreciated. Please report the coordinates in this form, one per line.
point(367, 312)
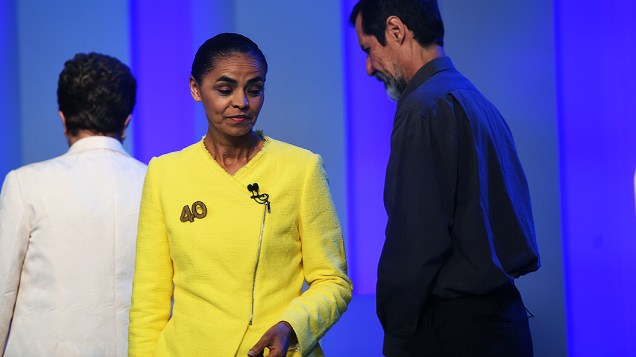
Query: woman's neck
point(233, 153)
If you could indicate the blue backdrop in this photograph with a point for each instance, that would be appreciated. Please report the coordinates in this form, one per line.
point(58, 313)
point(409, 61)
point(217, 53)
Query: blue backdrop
point(596, 57)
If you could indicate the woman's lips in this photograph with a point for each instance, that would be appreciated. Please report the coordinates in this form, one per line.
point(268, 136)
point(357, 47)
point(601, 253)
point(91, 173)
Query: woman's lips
point(239, 118)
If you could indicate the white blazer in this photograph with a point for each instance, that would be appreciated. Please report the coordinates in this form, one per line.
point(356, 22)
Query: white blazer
point(67, 242)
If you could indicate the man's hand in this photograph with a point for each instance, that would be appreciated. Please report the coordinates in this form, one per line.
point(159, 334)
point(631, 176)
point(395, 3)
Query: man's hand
point(277, 339)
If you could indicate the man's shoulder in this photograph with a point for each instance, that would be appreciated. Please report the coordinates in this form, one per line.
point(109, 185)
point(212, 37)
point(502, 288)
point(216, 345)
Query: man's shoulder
point(426, 97)
point(70, 164)
point(42, 167)
point(37, 174)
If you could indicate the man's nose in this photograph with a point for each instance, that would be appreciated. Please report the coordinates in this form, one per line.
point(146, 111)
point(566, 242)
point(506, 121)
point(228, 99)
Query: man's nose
point(370, 69)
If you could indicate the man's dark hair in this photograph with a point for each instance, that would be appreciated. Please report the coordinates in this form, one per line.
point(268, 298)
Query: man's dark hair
point(222, 46)
point(96, 92)
point(420, 16)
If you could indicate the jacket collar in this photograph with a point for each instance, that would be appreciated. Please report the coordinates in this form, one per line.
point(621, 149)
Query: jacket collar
point(97, 143)
point(427, 71)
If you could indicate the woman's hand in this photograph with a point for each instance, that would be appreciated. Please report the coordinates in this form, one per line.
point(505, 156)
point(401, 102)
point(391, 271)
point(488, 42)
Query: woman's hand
point(277, 339)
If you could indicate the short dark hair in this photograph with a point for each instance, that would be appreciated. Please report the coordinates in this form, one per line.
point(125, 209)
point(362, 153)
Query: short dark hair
point(420, 16)
point(96, 92)
point(222, 46)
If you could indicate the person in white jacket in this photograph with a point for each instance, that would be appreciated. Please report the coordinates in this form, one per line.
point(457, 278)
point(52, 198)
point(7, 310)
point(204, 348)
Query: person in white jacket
point(68, 225)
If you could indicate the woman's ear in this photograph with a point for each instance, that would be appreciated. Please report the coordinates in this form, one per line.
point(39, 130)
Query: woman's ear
point(194, 89)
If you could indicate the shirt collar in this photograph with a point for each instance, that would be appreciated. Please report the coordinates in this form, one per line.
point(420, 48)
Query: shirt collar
point(97, 142)
point(427, 71)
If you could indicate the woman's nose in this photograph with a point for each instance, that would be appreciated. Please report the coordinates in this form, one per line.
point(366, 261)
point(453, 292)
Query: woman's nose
point(239, 99)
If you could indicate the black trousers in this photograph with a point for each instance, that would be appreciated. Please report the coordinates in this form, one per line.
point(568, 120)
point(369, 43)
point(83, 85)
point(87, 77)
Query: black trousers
point(491, 325)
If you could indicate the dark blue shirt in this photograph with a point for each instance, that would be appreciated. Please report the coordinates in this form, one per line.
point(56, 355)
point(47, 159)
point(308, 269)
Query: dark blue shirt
point(459, 213)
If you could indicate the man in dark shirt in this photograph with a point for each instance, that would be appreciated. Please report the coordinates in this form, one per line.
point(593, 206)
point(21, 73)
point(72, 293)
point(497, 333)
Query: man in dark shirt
point(460, 226)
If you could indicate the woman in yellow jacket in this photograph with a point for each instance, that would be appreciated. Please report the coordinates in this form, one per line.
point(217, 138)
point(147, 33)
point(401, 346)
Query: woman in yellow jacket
point(231, 227)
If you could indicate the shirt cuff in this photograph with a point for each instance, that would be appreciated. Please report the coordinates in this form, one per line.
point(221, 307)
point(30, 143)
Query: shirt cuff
point(396, 347)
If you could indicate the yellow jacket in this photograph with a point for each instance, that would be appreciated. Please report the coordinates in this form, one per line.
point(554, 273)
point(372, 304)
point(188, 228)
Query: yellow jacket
point(234, 268)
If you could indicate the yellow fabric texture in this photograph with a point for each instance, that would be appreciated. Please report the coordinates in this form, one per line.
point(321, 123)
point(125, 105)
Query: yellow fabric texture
point(210, 265)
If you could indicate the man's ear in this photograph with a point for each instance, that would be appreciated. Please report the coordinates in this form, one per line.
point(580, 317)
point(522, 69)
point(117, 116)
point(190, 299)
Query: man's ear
point(194, 89)
point(395, 29)
point(127, 121)
point(123, 131)
point(63, 120)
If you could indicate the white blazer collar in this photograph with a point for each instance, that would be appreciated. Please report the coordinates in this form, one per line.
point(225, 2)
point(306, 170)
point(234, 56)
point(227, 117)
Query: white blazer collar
point(97, 143)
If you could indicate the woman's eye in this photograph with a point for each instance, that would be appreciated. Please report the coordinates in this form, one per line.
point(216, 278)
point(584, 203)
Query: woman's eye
point(255, 92)
point(224, 91)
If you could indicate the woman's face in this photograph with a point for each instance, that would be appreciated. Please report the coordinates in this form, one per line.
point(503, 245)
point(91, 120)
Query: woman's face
point(232, 94)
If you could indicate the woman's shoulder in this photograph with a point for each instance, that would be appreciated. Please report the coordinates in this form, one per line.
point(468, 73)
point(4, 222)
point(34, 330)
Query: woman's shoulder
point(289, 151)
point(186, 156)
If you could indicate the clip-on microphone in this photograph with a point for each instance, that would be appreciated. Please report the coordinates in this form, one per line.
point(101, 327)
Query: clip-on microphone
point(262, 198)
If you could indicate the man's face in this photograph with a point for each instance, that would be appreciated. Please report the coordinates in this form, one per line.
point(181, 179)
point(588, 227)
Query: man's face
point(380, 62)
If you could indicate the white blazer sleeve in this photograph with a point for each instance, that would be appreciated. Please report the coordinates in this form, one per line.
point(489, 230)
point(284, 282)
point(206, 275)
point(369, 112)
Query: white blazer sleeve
point(14, 238)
